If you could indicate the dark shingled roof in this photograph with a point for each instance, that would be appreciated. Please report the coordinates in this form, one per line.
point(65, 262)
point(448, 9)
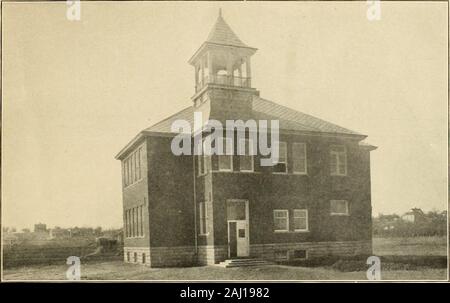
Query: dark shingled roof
point(266, 110)
point(223, 34)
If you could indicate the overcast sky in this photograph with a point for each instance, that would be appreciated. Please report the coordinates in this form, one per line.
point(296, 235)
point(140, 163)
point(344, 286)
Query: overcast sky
point(74, 93)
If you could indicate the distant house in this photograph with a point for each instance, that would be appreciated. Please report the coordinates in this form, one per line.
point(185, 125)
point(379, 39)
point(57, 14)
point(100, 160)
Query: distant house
point(416, 215)
point(40, 228)
point(60, 233)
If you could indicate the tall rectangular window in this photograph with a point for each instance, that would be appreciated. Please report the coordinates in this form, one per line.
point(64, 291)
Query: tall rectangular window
point(339, 207)
point(226, 160)
point(338, 160)
point(203, 215)
point(281, 166)
point(142, 220)
point(246, 161)
point(133, 211)
point(139, 164)
point(281, 220)
point(300, 220)
point(299, 158)
point(132, 167)
point(128, 223)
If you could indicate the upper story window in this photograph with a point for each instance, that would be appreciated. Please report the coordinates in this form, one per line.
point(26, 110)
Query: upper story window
point(299, 158)
point(300, 220)
point(281, 220)
point(203, 161)
point(338, 160)
point(246, 163)
point(281, 166)
point(339, 207)
point(132, 167)
point(226, 160)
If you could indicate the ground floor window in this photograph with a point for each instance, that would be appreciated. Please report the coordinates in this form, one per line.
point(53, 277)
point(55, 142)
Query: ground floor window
point(300, 220)
point(281, 220)
point(339, 207)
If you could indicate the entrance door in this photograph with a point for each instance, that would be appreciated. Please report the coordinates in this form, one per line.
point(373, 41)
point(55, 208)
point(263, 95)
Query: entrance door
point(238, 235)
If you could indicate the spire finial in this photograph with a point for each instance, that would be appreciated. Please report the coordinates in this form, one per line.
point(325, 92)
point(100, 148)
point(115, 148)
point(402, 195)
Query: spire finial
point(220, 12)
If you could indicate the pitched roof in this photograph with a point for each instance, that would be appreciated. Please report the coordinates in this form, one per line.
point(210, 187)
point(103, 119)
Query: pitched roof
point(289, 119)
point(221, 33)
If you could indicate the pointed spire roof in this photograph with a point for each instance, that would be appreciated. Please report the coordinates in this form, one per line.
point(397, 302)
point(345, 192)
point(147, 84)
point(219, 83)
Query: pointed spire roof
point(223, 34)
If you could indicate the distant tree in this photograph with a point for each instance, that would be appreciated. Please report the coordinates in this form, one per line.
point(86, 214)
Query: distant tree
point(26, 230)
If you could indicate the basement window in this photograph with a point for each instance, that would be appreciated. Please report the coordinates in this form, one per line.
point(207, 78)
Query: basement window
point(299, 254)
point(281, 255)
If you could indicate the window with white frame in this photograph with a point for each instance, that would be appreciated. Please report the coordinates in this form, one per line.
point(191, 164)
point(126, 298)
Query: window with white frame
point(281, 220)
point(201, 165)
point(281, 166)
point(134, 222)
point(226, 159)
point(300, 220)
point(299, 158)
point(338, 160)
point(339, 207)
point(246, 161)
point(204, 159)
point(132, 167)
point(203, 215)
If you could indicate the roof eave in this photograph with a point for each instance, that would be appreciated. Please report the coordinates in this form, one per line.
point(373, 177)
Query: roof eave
point(203, 46)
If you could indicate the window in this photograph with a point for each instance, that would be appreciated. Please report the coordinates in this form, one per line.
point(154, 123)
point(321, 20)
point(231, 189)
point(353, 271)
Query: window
point(281, 255)
point(135, 257)
point(134, 222)
point(281, 166)
point(236, 210)
point(299, 158)
point(299, 254)
point(128, 256)
point(246, 161)
point(141, 218)
point(338, 160)
point(300, 220)
point(127, 223)
point(132, 168)
point(203, 160)
point(201, 165)
point(143, 258)
point(339, 207)
point(281, 220)
point(203, 214)
point(226, 160)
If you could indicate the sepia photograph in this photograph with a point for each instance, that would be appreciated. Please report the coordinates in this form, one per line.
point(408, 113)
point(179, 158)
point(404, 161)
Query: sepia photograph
point(298, 141)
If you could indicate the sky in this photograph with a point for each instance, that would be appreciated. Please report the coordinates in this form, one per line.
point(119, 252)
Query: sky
point(75, 92)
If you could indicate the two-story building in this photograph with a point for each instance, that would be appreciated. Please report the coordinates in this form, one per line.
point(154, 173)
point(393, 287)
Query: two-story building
point(198, 209)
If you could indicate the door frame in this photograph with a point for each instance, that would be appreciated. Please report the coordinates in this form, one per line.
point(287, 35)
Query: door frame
point(247, 226)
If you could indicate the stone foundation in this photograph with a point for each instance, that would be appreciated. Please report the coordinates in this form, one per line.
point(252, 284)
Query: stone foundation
point(138, 255)
point(290, 251)
point(209, 255)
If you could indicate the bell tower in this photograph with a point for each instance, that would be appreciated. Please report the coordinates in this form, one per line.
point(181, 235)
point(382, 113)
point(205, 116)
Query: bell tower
point(223, 75)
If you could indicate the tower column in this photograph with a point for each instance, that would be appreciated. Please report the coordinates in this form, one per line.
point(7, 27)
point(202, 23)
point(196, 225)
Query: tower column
point(210, 68)
point(230, 69)
point(248, 71)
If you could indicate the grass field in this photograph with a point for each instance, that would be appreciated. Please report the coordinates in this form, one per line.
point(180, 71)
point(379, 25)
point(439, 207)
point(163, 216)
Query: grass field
point(117, 270)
